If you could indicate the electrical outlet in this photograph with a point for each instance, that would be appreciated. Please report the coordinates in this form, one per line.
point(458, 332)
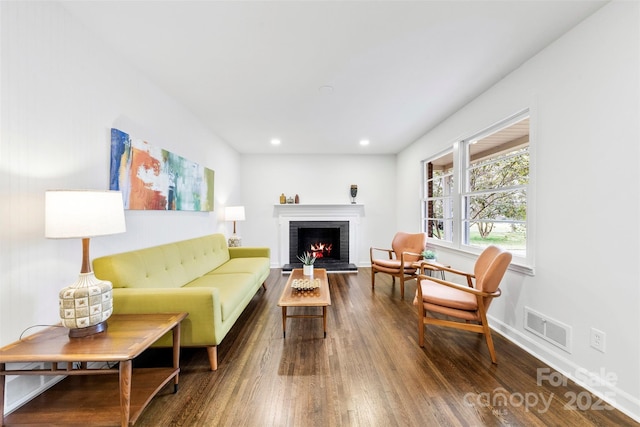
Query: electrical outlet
point(598, 339)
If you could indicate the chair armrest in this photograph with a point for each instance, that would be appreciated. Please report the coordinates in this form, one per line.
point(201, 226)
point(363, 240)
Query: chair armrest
point(459, 272)
point(411, 253)
point(402, 261)
point(388, 251)
point(469, 276)
point(462, 288)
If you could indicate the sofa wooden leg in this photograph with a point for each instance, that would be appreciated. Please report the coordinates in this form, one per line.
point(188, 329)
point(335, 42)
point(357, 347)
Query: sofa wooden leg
point(264, 285)
point(212, 352)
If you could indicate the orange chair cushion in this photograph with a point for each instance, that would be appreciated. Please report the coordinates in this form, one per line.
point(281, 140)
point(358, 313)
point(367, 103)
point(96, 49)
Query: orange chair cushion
point(392, 264)
point(440, 295)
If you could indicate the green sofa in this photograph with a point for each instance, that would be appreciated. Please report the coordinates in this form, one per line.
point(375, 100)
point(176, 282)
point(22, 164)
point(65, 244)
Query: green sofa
point(201, 276)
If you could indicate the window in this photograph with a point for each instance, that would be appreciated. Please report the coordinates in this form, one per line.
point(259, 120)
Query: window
point(437, 206)
point(489, 204)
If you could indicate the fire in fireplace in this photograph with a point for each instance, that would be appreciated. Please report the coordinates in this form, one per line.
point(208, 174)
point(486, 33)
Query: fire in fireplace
point(321, 250)
point(320, 241)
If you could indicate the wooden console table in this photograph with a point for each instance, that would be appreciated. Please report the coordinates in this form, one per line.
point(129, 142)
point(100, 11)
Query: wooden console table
point(93, 396)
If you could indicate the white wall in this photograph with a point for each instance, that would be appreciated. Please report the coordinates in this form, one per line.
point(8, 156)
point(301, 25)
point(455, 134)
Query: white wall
point(319, 179)
point(61, 93)
point(583, 91)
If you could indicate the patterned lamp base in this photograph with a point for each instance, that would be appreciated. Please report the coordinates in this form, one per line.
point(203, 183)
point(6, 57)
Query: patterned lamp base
point(86, 305)
point(235, 241)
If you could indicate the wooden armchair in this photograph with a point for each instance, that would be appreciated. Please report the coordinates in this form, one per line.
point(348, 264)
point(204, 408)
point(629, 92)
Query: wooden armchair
point(468, 304)
point(405, 250)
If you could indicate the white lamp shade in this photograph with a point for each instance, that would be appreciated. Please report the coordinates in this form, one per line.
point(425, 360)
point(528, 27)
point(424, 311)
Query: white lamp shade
point(234, 213)
point(83, 213)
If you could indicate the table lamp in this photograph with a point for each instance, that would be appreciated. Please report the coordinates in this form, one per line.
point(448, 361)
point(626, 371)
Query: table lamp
point(85, 305)
point(234, 213)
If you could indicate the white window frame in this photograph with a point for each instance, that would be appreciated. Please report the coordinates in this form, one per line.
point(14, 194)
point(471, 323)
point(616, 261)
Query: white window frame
point(524, 264)
point(425, 197)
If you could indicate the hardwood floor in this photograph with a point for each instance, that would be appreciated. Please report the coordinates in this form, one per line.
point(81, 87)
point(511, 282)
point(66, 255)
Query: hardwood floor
point(369, 371)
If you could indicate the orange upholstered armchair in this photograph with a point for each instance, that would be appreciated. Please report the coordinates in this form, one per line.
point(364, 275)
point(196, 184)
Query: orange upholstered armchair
point(405, 250)
point(467, 304)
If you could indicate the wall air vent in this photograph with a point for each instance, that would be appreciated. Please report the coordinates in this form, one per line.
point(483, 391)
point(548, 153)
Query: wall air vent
point(557, 333)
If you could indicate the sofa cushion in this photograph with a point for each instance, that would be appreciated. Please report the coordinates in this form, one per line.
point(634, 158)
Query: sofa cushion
point(257, 266)
point(232, 288)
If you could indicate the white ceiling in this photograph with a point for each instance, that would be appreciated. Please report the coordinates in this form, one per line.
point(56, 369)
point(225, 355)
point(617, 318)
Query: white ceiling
point(257, 70)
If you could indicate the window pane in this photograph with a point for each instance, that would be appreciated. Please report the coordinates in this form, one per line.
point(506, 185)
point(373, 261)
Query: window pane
point(497, 205)
point(499, 172)
point(437, 211)
point(440, 229)
point(441, 183)
point(510, 236)
point(441, 208)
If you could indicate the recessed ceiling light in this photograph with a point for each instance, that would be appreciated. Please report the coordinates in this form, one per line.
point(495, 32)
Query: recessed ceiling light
point(364, 142)
point(275, 141)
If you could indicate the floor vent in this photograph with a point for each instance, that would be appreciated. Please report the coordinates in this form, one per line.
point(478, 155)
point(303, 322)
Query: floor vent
point(557, 333)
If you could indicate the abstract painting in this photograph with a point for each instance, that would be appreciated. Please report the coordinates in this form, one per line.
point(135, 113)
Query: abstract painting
point(151, 178)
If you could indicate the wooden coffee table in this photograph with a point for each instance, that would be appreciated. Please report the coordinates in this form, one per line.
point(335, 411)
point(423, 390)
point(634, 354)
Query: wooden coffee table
point(319, 297)
point(93, 395)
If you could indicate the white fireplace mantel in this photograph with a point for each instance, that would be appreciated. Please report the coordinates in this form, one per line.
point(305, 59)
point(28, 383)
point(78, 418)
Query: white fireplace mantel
point(331, 210)
point(285, 213)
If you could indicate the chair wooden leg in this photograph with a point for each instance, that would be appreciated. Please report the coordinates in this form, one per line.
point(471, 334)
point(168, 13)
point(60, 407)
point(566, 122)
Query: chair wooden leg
point(402, 287)
point(492, 351)
point(373, 278)
point(487, 334)
point(421, 326)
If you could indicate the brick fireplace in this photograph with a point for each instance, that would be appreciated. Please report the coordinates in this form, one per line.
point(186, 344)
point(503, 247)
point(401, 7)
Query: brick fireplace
point(329, 231)
point(327, 240)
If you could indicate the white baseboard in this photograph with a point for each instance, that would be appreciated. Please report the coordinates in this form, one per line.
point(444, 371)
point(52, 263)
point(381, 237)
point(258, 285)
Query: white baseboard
point(593, 382)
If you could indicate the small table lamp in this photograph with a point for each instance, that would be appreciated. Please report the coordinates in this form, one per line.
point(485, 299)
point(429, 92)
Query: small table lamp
point(85, 305)
point(234, 213)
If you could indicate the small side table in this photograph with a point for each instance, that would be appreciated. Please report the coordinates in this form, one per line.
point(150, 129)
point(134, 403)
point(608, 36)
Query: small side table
point(93, 396)
point(430, 267)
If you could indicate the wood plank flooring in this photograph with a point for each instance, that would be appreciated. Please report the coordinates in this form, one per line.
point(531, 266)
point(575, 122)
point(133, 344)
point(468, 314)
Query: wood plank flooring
point(369, 371)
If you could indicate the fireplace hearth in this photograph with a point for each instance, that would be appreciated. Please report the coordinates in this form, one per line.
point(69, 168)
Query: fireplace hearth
point(327, 240)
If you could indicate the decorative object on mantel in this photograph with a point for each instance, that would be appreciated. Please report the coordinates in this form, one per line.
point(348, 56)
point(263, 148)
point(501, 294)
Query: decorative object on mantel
point(155, 179)
point(307, 259)
point(290, 200)
point(296, 200)
point(85, 305)
point(234, 213)
point(283, 199)
point(354, 193)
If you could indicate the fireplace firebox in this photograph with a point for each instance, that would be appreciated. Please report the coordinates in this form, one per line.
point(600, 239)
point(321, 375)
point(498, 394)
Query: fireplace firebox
point(327, 240)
